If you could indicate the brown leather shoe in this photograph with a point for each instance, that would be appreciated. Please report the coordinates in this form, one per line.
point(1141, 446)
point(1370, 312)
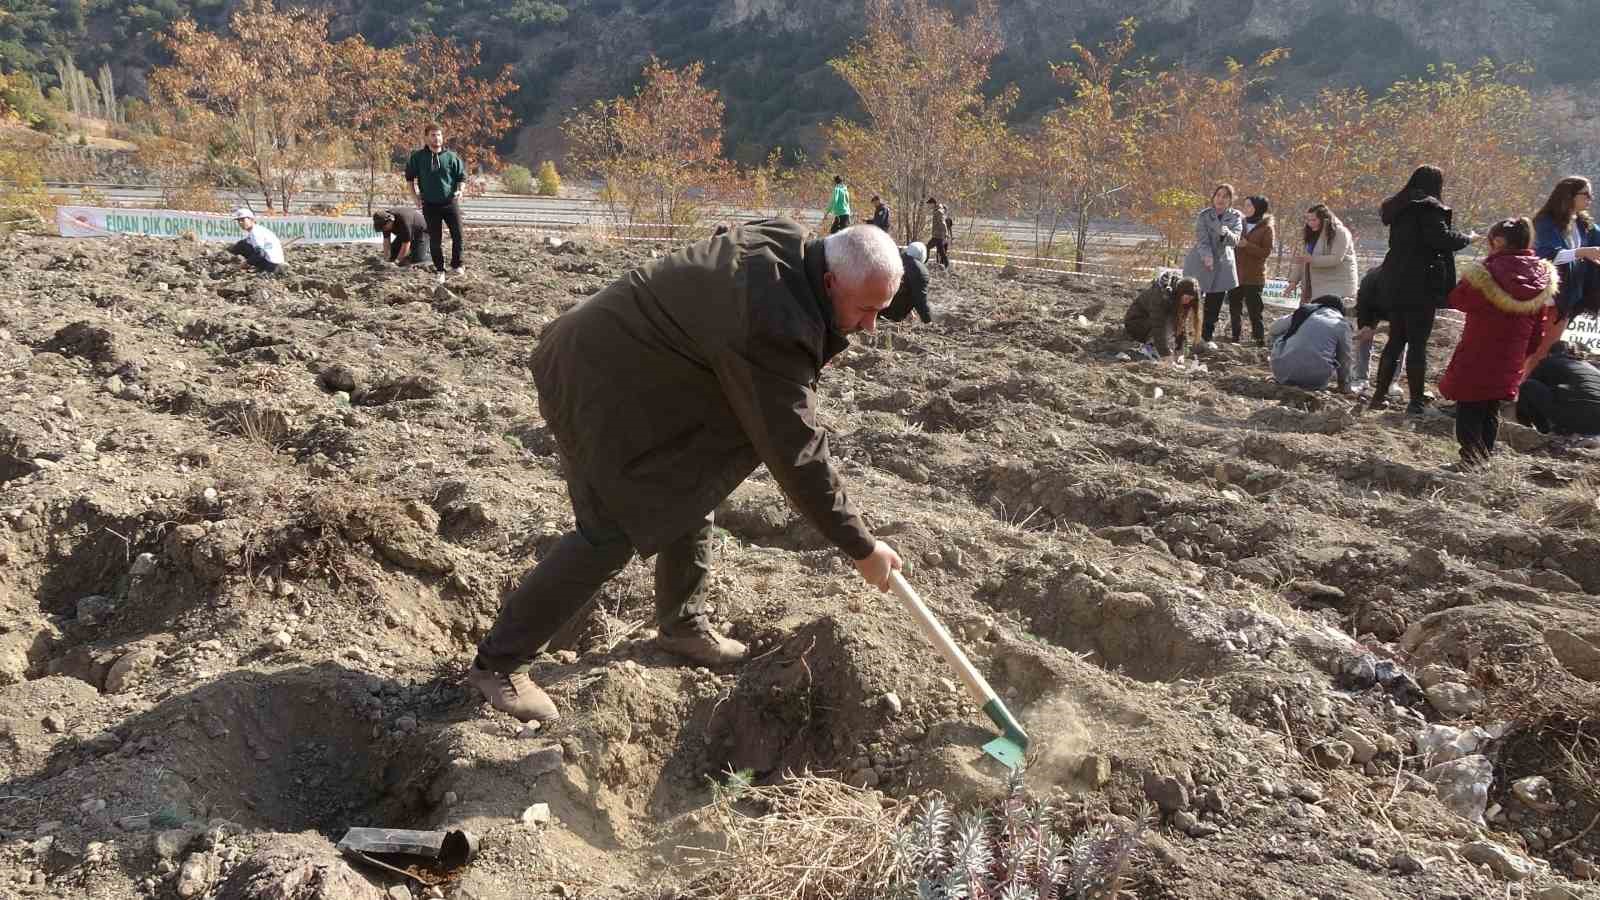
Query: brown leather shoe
point(702, 645)
point(514, 694)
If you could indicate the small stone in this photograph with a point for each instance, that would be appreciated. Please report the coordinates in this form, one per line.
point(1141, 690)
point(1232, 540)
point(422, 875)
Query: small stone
point(1535, 790)
point(1095, 770)
point(865, 779)
point(1183, 820)
point(542, 761)
point(55, 724)
point(209, 495)
point(406, 723)
point(1406, 864)
point(214, 727)
point(143, 564)
point(528, 731)
point(1454, 699)
point(1508, 865)
point(1166, 792)
point(129, 669)
point(171, 843)
point(94, 609)
point(537, 814)
point(1332, 754)
point(1310, 792)
point(113, 386)
point(195, 875)
point(450, 798)
point(1363, 748)
point(1584, 870)
point(36, 879)
point(1557, 892)
point(281, 640)
point(891, 703)
point(397, 892)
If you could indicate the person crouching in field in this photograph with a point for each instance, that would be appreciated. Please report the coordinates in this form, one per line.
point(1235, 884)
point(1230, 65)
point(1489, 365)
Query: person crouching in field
point(1311, 346)
point(1505, 298)
point(1165, 313)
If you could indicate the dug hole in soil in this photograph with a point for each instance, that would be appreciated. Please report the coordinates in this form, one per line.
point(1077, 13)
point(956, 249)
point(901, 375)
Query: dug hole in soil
point(253, 528)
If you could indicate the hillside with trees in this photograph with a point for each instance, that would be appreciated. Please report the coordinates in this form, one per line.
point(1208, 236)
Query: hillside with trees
point(769, 61)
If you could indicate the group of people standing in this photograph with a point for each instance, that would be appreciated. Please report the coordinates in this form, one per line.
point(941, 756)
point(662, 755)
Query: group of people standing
point(938, 243)
point(1537, 275)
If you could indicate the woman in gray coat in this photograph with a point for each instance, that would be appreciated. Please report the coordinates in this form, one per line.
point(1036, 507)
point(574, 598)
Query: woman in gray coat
point(1210, 261)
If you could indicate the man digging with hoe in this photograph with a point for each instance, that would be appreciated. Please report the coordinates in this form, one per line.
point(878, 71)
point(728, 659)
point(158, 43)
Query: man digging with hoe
point(663, 393)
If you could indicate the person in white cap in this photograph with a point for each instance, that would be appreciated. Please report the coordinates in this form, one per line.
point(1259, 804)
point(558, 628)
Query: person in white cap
point(260, 248)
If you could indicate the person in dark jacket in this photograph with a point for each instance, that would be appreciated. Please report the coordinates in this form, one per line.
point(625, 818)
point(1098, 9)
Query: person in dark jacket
point(663, 392)
point(939, 243)
point(1562, 396)
point(1419, 273)
point(1370, 311)
point(1165, 313)
point(404, 230)
point(436, 176)
point(880, 213)
point(913, 293)
point(1505, 298)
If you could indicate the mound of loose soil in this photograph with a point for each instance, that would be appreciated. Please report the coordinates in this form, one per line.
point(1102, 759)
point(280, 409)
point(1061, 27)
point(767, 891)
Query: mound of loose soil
point(253, 527)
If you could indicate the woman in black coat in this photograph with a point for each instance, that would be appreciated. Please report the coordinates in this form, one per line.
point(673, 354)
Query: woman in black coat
point(1418, 273)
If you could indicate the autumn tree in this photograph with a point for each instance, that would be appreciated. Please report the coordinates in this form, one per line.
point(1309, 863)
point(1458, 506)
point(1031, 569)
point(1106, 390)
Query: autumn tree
point(1094, 137)
point(470, 108)
point(1476, 124)
point(379, 111)
point(918, 75)
point(1326, 150)
point(262, 92)
point(1197, 133)
point(653, 150)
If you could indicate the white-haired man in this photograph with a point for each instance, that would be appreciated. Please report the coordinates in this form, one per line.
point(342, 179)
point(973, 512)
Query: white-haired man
point(663, 393)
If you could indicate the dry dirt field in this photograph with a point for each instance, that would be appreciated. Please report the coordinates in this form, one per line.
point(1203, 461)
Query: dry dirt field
point(251, 528)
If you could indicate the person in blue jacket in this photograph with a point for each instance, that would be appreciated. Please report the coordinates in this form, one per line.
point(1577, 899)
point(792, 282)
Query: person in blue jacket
point(1565, 234)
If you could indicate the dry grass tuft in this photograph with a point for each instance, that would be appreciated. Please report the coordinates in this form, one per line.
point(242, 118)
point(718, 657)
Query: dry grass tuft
point(815, 838)
point(1575, 505)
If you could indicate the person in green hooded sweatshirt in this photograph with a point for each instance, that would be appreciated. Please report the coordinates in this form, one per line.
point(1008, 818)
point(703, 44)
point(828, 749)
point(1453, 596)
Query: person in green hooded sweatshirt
point(839, 208)
point(436, 176)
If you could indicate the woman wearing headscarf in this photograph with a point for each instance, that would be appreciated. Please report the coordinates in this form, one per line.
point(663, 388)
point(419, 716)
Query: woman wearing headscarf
point(1419, 272)
point(1255, 248)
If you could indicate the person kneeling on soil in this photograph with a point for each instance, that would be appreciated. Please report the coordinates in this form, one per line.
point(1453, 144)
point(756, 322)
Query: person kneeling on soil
point(665, 391)
point(1164, 313)
point(1505, 298)
point(1562, 395)
point(405, 234)
point(1311, 346)
point(913, 293)
point(259, 249)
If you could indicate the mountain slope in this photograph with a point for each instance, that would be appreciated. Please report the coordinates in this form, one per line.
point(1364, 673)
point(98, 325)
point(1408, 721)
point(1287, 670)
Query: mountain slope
point(770, 58)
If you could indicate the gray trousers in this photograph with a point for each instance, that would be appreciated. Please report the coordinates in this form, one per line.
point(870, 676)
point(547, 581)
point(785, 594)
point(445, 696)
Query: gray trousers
point(1362, 364)
point(568, 578)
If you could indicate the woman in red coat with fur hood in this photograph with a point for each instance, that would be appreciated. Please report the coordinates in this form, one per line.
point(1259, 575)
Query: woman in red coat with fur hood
point(1505, 298)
